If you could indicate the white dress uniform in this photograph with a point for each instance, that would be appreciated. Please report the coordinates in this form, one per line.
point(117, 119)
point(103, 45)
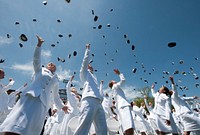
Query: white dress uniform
point(162, 109)
point(189, 120)
point(107, 106)
point(59, 115)
point(4, 100)
point(74, 106)
point(12, 98)
point(190, 101)
point(152, 116)
point(140, 119)
point(91, 107)
point(122, 105)
point(28, 115)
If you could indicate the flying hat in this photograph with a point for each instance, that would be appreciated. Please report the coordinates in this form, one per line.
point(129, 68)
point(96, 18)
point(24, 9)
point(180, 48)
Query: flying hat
point(172, 44)
point(23, 37)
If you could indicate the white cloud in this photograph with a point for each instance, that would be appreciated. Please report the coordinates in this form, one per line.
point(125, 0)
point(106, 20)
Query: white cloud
point(5, 40)
point(63, 73)
point(24, 68)
point(28, 69)
point(129, 91)
point(46, 55)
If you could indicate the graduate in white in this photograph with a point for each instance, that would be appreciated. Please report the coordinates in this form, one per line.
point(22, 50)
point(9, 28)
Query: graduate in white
point(57, 119)
point(50, 121)
point(162, 110)
point(190, 122)
point(191, 101)
point(123, 106)
point(13, 97)
point(28, 115)
point(4, 97)
point(138, 116)
point(73, 101)
point(107, 106)
point(91, 107)
point(151, 116)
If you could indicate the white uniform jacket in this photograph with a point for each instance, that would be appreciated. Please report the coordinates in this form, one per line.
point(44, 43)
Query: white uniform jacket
point(91, 87)
point(179, 104)
point(162, 104)
point(72, 99)
point(44, 83)
point(118, 93)
point(4, 97)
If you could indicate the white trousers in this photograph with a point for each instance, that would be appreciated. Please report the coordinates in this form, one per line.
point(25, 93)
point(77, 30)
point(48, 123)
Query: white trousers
point(91, 111)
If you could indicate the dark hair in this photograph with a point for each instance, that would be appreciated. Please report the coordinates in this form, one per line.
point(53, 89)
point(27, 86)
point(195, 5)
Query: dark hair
point(110, 85)
point(166, 90)
point(1, 70)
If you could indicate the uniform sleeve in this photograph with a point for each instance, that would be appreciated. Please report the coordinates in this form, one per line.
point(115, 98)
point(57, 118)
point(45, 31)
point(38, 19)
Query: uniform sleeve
point(168, 108)
point(58, 102)
point(70, 97)
point(37, 59)
point(153, 92)
point(122, 80)
point(175, 93)
point(83, 70)
point(101, 89)
point(7, 87)
point(188, 98)
point(146, 104)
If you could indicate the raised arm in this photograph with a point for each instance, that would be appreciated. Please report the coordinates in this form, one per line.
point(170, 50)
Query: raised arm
point(101, 88)
point(146, 104)
point(168, 111)
point(152, 90)
point(121, 76)
point(83, 70)
point(37, 55)
point(7, 87)
point(19, 89)
point(175, 92)
point(68, 88)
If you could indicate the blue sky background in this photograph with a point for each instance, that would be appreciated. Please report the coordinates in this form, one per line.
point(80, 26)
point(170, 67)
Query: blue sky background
point(149, 25)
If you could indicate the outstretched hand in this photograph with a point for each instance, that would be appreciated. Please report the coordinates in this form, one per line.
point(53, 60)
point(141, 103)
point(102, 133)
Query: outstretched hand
point(171, 78)
point(102, 81)
point(87, 46)
point(116, 71)
point(40, 40)
point(72, 77)
point(153, 86)
point(66, 109)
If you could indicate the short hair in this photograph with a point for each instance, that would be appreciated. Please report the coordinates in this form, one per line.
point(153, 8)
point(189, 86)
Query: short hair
point(110, 84)
point(166, 90)
point(1, 70)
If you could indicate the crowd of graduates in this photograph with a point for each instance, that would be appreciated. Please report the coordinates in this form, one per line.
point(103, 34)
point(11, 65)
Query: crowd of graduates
point(37, 108)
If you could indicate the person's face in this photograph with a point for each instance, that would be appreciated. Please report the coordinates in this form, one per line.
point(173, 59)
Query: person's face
point(133, 103)
point(51, 67)
point(90, 67)
point(2, 74)
point(74, 90)
point(162, 90)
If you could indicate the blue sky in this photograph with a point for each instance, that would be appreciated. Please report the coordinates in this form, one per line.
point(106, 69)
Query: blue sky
point(148, 25)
